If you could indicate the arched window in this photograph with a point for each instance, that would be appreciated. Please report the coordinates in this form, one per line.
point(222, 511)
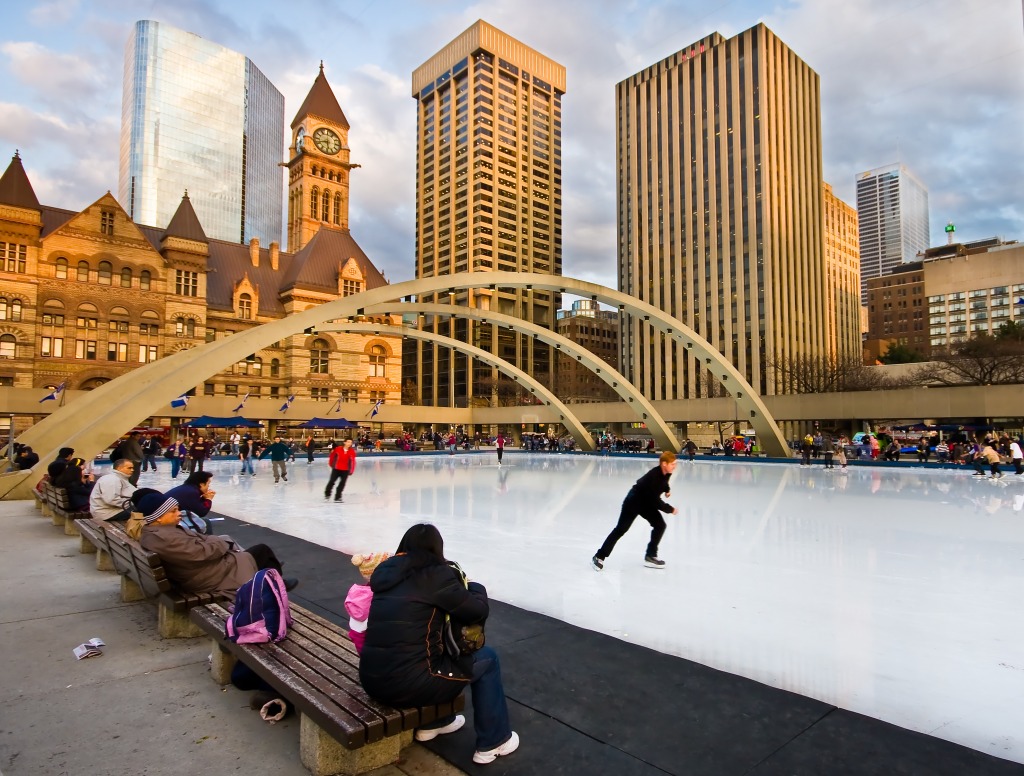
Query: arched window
point(93, 383)
point(7, 346)
point(184, 327)
point(337, 209)
point(106, 270)
point(16, 310)
point(3, 308)
point(314, 203)
point(275, 367)
point(378, 361)
point(126, 278)
point(318, 356)
point(61, 273)
point(83, 272)
point(327, 206)
point(245, 306)
point(145, 279)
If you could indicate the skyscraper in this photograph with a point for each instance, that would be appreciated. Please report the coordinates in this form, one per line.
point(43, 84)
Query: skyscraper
point(720, 211)
point(489, 197)
point(892, 215)
point(842, 277)
point(199, 117)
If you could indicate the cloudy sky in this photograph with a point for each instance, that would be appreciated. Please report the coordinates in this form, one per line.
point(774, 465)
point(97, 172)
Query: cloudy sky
point(936, 84)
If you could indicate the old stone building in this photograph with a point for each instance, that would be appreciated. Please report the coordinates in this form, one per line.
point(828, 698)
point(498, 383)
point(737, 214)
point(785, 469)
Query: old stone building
point(87, 296)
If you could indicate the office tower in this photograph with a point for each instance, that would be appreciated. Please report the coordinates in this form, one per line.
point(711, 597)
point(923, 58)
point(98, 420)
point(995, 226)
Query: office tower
point(892, 214)
point(201, 118)
point(489, 197)
point(597, 330)
point(720, 212)
point(842, 277)
point(897, 314)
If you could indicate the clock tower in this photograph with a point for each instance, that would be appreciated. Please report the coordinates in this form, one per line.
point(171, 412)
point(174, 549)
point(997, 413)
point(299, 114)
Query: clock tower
point(318, 166)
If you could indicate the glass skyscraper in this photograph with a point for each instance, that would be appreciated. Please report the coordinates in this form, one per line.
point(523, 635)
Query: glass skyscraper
point(892, 216)
point(199, 117)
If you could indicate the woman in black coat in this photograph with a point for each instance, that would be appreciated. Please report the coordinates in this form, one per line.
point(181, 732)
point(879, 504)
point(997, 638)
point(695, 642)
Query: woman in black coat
point(404, 662)
point(74, 481)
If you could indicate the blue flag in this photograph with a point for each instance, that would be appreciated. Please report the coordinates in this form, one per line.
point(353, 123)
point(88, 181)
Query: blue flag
point(55, 393)
point(336, 407)
point(376, 408)
point(180, 403)
point(287, 404)
point(244, 400)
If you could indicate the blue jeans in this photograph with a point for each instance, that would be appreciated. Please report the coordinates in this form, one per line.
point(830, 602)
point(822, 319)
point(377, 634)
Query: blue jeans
point(490, 712)
point(175, 466)
point(247, 465)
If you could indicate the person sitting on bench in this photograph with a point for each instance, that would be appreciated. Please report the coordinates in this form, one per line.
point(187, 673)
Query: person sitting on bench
point(200, 563)
point(111, 495)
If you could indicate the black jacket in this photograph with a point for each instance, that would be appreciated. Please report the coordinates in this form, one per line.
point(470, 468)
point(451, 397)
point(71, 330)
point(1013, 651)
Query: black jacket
point(646, 491)
point(403, 662)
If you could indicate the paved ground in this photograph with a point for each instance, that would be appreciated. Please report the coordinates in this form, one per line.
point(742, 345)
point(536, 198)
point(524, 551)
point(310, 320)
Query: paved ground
point(582, 702)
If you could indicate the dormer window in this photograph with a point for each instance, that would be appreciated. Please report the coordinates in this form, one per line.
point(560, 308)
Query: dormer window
point(107, 222)
point(245, 307)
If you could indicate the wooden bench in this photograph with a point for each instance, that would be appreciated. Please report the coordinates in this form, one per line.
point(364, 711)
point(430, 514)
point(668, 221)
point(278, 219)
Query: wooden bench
point(316, 669)
point(61, 511)
point(142, 576)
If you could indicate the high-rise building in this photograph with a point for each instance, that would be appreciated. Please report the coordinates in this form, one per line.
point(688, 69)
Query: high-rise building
point(198, 117)
point(597, 330)
point(720, 212)
point(488, 197)
point(842, 277)
point(892, 214)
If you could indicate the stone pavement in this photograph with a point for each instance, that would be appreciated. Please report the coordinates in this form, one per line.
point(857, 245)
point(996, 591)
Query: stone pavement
point(147, 705)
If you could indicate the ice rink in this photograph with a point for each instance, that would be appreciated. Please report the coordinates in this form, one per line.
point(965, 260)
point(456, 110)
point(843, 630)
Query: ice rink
point(895, 593)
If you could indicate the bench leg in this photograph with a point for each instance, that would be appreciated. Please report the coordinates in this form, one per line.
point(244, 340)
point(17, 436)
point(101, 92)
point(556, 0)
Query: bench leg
point(130, 591)
point(324, 756)
point(57, 519)
point(221, 663)
point(71, 528)
point(103, 561)
point(176, 625)
point(85, 547)
point(45, 509)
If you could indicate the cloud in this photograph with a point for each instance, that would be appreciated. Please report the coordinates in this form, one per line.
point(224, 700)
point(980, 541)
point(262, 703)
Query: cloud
point(56, 12)
point(56, 79)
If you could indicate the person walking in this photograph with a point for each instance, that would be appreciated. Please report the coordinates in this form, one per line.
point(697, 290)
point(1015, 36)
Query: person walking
point(342, 461)
point(132, 450)
point(176, 453)
point(644, 500)
point(245, 456)
point(198, 452)
point(278, 452)
point(150, 450)
point(500, 444)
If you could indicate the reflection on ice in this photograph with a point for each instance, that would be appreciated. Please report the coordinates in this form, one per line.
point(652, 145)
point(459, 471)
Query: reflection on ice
point(894, 593)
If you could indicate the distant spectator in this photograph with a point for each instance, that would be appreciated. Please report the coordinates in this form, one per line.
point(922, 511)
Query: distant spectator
point(199, 451)
point(131, 449)
point(27, 458)
point(57, 465)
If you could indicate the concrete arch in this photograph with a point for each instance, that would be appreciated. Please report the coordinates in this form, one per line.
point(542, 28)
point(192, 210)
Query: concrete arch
point(566, 416)
point(659, 429)
point(88, 423)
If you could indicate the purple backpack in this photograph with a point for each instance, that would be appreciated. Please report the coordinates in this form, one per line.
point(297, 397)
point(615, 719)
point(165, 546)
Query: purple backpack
point(261, 612)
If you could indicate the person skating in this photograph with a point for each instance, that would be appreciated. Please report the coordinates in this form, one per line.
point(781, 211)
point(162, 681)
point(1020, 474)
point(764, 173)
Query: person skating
point(278, 452)
point(342, 461)
point(644, 500)
point(500, 444)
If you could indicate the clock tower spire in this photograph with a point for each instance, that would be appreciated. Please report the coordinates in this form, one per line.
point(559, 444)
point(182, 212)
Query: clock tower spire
point(318, 166)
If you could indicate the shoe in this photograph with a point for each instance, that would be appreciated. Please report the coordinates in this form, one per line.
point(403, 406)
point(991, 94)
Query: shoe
point(482, 758)
point(338, 498)
point(429, 734)
point(653, 563)
point(327, 495)
point(252, 474)
point(290, 583)
point(597, 563)
point(285, 479)
point(276, 481)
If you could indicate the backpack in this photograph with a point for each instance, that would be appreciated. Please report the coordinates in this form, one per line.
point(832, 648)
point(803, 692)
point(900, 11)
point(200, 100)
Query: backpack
point(261, 612)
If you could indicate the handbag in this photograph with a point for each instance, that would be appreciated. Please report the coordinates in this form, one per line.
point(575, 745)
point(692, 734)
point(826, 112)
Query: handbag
point(460, 639)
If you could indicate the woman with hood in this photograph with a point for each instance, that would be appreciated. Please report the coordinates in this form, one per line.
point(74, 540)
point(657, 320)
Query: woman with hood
point(404, 661)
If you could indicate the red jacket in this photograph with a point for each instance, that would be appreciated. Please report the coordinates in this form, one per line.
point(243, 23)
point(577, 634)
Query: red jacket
point(343, 460)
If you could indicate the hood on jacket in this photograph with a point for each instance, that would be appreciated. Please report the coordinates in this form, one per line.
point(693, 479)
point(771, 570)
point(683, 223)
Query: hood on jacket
point(398, 568)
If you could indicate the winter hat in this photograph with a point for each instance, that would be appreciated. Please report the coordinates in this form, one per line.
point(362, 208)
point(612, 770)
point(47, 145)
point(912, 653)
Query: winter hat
point(65, 452)
point(368, 561)
point(154, 505)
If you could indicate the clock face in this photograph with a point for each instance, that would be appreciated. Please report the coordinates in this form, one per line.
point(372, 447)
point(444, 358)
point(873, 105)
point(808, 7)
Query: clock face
point(327, 141)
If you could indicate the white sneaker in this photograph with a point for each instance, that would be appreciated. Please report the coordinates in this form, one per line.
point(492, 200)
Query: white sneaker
point(482, 758)
point(429, 734)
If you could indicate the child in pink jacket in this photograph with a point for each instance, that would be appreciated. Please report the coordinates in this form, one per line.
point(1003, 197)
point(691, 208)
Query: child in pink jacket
point(357, 602)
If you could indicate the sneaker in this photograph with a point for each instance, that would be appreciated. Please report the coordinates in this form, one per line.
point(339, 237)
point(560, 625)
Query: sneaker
point(597, 563)
point(429, 734)
point(290, 583)
point(653, 563)
point(285, 479)
point(482, 758)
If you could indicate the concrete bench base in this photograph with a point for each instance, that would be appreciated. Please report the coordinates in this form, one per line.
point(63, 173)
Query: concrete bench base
point(324, 756)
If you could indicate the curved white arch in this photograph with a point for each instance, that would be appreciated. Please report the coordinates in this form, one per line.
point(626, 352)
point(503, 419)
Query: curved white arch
point(88, 423)
point(646, 412)
point(566, 416)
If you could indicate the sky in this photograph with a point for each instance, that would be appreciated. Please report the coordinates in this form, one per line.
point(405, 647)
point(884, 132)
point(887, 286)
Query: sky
point(935, 84)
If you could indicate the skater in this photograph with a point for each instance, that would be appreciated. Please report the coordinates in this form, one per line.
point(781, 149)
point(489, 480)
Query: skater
point(644, 499)
point(245, 456)
point(310, 449)
point(343, 463)
point(278, 453)
point(828, 447)
point(500, 444)
point(690, 448)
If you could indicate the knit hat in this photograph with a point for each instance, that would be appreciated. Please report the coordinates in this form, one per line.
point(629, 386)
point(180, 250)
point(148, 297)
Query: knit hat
point(65, 452)
point(368, 561)
point(154, 505)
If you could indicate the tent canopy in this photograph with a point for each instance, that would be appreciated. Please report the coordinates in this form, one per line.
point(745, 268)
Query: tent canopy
point(207, 421)
point(327, 423)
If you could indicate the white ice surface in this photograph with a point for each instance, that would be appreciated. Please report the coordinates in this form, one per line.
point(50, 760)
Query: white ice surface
point(896, 594)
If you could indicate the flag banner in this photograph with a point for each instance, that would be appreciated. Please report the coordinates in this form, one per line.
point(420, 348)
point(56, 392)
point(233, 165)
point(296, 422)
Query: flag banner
point(336, 407)
point(242, 404)
point(287, 403)
point(376, 408)
point(54, 394)
point(180, 403)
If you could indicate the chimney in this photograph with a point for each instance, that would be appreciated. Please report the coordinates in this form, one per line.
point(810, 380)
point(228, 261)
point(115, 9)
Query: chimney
point(254, 251)
point(274, 250)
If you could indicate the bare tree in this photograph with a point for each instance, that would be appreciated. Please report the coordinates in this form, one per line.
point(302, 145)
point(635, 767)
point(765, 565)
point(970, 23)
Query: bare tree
point(981, 360)
point(829, 374)
point(506, 391)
